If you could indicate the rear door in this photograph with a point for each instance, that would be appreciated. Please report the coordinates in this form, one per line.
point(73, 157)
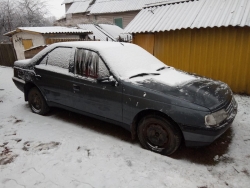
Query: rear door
point(53, 77)
point(99, 98)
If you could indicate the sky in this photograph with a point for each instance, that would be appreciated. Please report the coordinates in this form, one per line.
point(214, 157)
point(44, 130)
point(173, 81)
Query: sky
point(56, 9)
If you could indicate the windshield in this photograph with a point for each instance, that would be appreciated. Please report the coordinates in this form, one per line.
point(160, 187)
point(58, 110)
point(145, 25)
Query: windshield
point(128, 60)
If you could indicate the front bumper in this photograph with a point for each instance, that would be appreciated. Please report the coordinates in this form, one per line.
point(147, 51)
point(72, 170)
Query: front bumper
point(203, 136)
point(195, 137)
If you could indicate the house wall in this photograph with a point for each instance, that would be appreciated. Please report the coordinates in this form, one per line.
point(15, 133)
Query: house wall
point(67, 6)
point(219, 53)
point(79, 16)
point(37, 39)
point(61, 36)
point(126, 16)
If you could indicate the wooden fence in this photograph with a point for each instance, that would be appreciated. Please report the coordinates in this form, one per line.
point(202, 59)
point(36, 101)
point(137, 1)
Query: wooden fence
point(7, 55)
point(55, 40)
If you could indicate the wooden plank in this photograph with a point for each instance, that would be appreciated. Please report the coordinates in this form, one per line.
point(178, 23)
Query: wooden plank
point(7, 55)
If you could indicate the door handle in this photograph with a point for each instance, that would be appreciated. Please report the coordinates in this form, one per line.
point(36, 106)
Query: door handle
point(76, 87)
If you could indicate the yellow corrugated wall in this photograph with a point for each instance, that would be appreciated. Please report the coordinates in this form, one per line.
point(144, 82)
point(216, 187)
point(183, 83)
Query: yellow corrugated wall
point(146, 41)
point(219, 53)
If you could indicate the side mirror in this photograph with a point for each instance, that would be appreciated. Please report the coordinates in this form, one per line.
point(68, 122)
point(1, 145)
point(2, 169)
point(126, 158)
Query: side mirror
point(109, 79)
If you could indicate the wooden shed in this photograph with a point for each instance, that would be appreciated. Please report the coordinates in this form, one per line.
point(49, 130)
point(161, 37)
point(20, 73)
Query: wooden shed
point(206, 37)
point(24, 38)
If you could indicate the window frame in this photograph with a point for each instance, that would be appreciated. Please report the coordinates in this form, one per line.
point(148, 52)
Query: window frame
point(116, 18)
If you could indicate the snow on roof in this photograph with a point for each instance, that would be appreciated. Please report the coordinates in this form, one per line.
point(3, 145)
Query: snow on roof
point(102, 31)
point(111, 6)
point(36, 47)
point(98, 32)
point(191, 14)
point(113, 30)
point(79, 7)
point(124, 59)
point(70, 1)
point(49, 30)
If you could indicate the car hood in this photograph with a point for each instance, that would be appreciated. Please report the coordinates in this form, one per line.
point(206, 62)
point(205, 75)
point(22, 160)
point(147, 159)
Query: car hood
point(198, 90)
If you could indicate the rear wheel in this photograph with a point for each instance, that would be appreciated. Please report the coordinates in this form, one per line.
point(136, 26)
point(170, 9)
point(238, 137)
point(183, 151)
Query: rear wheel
point(159, 134)
point(37, 102)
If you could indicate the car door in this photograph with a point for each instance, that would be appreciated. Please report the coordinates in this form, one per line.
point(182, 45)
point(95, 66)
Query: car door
point(101, 98)
point(53, 77)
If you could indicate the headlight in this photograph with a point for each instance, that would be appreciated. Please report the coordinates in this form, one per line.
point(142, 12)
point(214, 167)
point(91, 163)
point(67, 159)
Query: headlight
point(215, 118)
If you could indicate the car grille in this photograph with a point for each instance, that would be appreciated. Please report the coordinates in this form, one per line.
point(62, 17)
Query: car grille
point(231, 109)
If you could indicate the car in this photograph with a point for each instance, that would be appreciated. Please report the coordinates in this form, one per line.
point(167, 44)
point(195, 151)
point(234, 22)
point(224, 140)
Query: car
point(123, 84)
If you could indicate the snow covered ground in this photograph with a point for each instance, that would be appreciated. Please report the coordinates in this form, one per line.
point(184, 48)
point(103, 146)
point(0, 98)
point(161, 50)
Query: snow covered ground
point(64, 149)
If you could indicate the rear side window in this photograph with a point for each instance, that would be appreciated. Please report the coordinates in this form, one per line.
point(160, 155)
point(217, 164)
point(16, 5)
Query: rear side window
point(59, 57)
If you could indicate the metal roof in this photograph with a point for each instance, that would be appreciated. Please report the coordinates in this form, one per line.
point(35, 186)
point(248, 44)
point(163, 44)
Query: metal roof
point(112, 6)
point(70, 1)
point(48, 30)
point(102, 31)
point(79, 7)
point(191, 14)
point(98, 32)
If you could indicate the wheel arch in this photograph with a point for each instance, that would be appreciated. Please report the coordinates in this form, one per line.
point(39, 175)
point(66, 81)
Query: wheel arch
point(144, 113)
point(27, 87)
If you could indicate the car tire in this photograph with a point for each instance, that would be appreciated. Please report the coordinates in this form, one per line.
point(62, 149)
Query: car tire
point(37, 102)
point(159, 135)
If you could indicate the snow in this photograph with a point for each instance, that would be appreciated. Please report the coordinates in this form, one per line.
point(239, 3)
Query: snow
point(168, 76)
point(54, 29)
point(64, 149)
point(124, 59)
point(60, 57)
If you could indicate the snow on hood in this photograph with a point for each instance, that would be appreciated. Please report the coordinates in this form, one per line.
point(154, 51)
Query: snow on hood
point(126, 60)
point(169, 76)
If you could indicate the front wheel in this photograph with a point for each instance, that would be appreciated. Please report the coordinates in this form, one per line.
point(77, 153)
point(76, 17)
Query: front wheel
point(159, 135)
point(37, 102)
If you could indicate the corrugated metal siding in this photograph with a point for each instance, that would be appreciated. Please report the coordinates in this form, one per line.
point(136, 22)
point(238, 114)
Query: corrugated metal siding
point(192, 14)
point(219, 53)
point(98, 32)
point(146, 41)
point(53, 29)
point(79, 7)
point(126, 16)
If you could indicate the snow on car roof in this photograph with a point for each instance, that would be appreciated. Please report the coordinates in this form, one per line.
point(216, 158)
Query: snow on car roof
point(124, 59)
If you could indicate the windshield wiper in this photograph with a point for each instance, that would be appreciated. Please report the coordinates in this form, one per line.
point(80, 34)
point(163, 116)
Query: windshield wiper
point(162, 68)
point(143, 74)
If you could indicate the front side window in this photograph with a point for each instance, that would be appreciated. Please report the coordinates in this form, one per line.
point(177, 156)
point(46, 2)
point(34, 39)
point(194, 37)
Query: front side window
point(89, 64)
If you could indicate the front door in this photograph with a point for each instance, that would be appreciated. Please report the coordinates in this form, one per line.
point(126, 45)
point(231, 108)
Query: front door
point(99, 98)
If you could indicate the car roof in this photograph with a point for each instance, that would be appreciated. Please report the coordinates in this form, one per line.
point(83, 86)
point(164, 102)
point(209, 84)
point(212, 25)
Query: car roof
point(93, 45)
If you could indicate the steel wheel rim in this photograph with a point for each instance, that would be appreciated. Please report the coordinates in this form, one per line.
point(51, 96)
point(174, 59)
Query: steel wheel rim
point(156, 137)
point(36, 103)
